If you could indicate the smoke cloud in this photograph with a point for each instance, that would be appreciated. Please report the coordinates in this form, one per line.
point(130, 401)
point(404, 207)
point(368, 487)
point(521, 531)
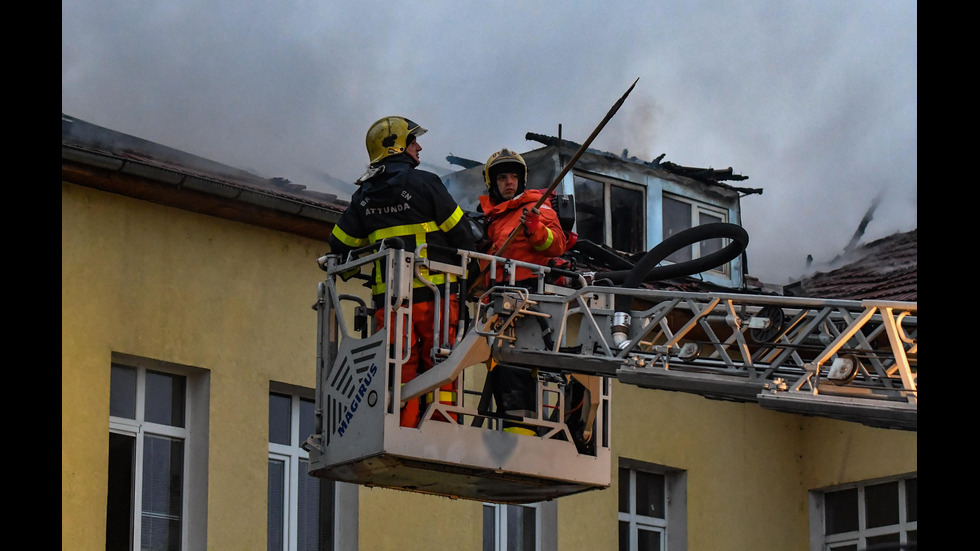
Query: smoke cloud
point(816, 102)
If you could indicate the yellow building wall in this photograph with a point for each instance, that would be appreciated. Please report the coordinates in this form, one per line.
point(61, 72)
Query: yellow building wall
point(236, 300)
point(167, 284)
point(749, 470)
point(839, 453)
point(393, 519)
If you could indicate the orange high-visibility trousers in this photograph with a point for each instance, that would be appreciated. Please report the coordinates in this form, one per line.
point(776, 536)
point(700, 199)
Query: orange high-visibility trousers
point(420, 337)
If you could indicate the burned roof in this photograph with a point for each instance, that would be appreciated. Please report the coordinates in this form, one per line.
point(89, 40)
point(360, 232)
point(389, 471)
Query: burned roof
point(885, 269)
point(705, 175)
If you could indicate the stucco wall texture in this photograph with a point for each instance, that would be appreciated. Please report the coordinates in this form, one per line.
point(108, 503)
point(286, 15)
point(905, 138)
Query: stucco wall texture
point(236, 300)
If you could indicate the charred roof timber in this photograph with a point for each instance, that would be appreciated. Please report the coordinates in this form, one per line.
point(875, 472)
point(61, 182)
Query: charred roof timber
point(463, 162)
point(706, 175)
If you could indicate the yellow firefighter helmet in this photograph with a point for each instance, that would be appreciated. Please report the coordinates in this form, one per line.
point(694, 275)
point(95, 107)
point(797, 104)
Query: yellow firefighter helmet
point(389, 136)
point(502, 162)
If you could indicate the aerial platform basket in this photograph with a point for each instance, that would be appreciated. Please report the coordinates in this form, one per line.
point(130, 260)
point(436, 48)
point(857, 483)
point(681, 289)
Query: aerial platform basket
point(358, 434)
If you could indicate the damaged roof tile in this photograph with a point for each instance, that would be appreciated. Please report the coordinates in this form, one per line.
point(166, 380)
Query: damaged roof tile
point(886, 269)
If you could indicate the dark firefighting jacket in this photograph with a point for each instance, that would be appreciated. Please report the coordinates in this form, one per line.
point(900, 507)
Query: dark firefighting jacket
point(413, 205)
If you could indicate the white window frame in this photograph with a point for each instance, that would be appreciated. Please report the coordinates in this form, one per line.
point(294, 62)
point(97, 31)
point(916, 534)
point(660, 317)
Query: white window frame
point(193, 519)
point(345, 502)
point(289, 499)
point(290, 454)
point(673, 527)
point(698, 207)
point(607, 184)
point(545, 526)
point(826, 542)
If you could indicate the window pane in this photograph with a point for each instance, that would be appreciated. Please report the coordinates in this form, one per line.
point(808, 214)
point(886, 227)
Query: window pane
point(677, 218)
point(911, 500)
point(624, 490)
point(277, 481)
point(160, 533)
point(590, 210)
point(882, 540)
point(163, 467)
point(122, 392)
point(647, 540)
point(309, 509)
point(841, 510)
point(626, 209)
point(307, 420)
point(514, 525)
point(709, 246)
point(650, 494)
point(529, 528)
point(624, 535)
point(119, 505)
point(520, 527)
point(325, 521)
point(165, 398)
point(881, 504)
point(489, 528)
point(279, 419)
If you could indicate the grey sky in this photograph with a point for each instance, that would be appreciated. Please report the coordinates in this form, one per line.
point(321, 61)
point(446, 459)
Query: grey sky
point(816, 101)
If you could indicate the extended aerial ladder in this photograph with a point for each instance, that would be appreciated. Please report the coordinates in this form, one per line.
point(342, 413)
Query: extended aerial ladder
point(848, 360)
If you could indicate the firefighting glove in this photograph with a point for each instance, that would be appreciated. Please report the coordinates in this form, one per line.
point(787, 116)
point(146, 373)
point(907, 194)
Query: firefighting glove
point(531, 221)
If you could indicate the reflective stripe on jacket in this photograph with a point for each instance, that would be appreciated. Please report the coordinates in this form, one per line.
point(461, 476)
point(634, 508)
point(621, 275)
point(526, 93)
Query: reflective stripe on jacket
point(546, 243)
point(401, 201)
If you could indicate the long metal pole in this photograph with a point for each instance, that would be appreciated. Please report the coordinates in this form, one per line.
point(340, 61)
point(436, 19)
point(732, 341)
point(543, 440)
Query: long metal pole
point(564, 171)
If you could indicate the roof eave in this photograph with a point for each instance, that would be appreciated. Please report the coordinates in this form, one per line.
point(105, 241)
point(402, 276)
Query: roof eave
point(178, 188)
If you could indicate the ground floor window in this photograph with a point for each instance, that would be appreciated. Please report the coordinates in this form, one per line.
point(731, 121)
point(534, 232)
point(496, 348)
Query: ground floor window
point(652, 507)
point(879, 514)
point(153, 499)
point(300, 506)
point(530, 527)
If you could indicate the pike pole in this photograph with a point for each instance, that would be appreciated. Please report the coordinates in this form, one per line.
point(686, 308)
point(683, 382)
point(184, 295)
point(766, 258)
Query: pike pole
point(564, 171)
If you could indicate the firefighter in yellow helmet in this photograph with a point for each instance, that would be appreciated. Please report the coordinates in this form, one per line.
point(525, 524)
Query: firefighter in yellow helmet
point(392, 136)
point(397, 200)
point(509, 205)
